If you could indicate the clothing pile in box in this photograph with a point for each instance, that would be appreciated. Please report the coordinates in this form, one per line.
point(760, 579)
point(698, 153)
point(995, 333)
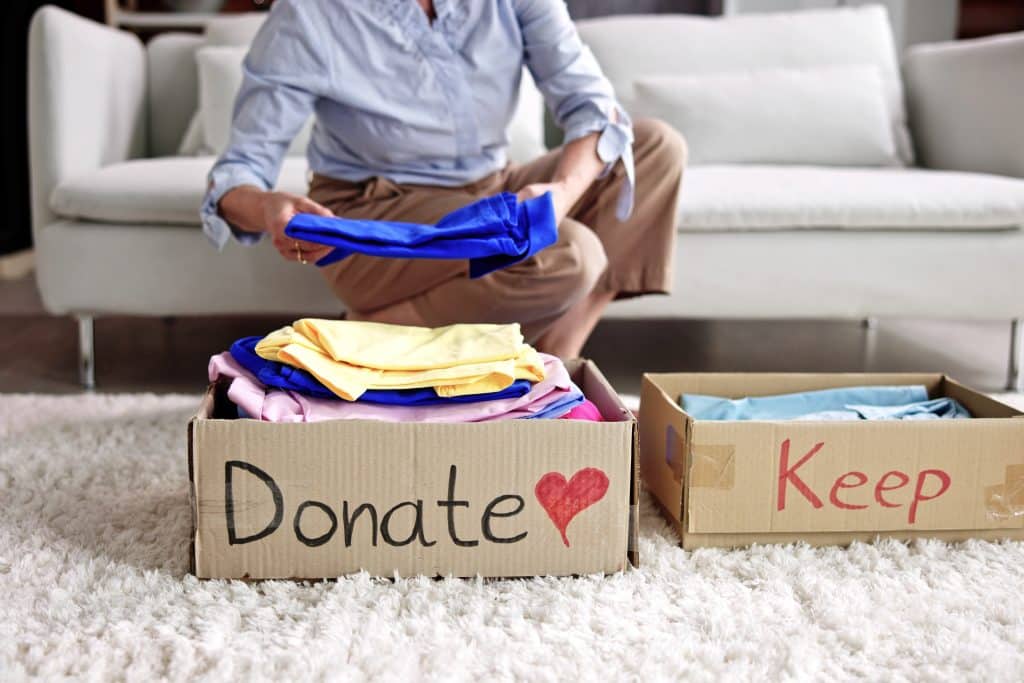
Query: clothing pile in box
point(910, 402)
point(317, 370)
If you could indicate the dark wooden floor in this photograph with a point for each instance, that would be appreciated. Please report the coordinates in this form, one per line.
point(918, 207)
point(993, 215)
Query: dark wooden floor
point(38, 353)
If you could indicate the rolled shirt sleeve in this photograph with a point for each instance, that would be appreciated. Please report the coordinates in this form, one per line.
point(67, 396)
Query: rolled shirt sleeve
point(282, 74)
point(577, 92)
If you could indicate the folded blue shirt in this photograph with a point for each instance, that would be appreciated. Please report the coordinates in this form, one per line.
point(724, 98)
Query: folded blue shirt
point(847, 403)
point(283, 376)
point(492, 233)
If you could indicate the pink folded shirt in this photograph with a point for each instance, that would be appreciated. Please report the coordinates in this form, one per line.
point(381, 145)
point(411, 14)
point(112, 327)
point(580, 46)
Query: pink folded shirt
point(276, 405)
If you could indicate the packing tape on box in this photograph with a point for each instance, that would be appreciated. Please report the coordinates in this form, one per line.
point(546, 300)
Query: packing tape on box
point(713, 466)
point(1006, 501)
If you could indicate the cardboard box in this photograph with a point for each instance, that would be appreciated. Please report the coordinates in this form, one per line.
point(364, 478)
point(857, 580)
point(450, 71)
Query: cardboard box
point(735, 483)
point(324, 499)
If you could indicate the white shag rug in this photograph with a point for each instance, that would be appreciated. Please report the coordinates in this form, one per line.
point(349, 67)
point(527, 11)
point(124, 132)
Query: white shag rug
point(94, 525)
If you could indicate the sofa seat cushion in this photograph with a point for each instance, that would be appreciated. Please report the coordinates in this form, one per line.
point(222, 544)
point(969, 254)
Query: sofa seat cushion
point(166, 191)
point(735, 197)
point(169, 190)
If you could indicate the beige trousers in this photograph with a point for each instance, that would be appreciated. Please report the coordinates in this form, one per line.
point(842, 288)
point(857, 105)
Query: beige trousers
point(594, 249)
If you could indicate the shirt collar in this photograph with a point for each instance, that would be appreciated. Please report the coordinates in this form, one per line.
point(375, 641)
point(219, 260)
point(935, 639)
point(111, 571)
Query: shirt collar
point(410, 16)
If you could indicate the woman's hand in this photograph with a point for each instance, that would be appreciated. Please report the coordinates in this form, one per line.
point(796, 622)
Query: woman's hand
point(259, 211)
point(278, 209)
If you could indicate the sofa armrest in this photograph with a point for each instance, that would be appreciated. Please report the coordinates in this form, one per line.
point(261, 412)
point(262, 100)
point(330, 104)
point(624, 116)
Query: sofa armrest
point(86, 101)
point(966, 104)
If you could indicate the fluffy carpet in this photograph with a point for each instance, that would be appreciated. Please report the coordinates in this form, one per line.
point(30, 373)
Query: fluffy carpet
point(93, 540)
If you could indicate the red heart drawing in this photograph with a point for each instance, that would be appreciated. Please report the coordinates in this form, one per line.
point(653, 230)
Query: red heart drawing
point(563, 500)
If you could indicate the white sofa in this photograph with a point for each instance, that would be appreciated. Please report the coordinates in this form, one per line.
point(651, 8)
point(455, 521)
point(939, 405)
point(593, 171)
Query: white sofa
point(115, 207)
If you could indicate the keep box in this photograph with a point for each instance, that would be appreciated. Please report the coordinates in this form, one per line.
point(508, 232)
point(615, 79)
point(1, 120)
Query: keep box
point(320, 500)
point(734, 483)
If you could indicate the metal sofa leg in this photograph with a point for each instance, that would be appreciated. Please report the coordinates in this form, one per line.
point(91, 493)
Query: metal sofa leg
point(86, 353)
point(1013, 378)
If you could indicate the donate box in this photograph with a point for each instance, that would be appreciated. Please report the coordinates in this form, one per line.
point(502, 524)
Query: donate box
point(496, 499)
point(733, 483)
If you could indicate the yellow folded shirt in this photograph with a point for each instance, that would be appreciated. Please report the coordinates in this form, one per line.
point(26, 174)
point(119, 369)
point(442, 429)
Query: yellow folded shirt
point(349, 381)
point(404, 347)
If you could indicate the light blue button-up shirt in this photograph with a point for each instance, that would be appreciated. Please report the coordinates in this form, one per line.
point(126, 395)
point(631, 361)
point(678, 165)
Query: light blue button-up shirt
point(396, 96)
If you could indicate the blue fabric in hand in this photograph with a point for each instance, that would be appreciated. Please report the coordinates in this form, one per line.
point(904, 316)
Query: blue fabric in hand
point(492, 233)
point(283, 376)
point(847, 403)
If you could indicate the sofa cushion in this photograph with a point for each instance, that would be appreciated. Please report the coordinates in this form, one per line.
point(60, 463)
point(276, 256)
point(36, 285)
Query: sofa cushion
point(168, 190)
point(831, 115)
point(715, 198)
point(723, 198)
point(233, 29)
point(172, 89)
point(633, 47)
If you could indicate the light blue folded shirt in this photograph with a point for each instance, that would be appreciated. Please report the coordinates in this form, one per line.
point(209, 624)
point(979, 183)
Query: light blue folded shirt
point(846, 403)
point(397, 96)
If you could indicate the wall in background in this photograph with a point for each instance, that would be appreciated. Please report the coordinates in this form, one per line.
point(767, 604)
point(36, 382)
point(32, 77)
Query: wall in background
point(985, 17)
point(583, 9)
point(15, 229)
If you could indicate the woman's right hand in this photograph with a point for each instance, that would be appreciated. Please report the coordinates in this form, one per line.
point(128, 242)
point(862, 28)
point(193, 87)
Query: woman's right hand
point(260, 211)
point(278, 209)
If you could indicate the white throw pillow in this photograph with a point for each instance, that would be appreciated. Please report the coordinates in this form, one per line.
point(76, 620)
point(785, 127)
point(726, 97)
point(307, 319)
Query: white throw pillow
point(220, 77)
point(829, 116)
point(192, 143)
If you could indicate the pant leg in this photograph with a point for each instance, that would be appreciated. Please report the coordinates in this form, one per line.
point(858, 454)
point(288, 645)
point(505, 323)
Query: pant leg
point(533, 292)
point(641, 249)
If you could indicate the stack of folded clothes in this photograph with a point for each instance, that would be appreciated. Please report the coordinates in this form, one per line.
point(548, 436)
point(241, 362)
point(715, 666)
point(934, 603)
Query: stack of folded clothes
point(318, 370)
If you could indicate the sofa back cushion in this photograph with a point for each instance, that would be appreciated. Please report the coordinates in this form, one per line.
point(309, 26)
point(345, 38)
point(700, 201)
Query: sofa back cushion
point(630, 48)
point(173, 89)
point(826, 116)
point(234, 29)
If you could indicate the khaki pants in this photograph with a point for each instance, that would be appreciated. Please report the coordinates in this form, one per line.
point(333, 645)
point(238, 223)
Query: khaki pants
point(594, 249)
